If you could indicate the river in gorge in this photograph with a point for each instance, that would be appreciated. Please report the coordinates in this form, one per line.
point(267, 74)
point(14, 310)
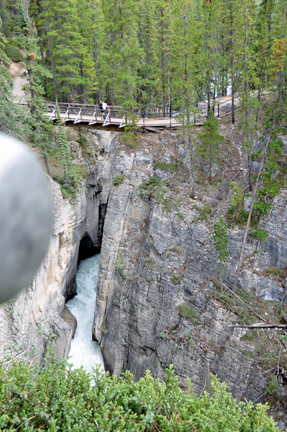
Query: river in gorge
point(84, 351)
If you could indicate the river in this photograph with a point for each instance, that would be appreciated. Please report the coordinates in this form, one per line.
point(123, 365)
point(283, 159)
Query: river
point(85, 352)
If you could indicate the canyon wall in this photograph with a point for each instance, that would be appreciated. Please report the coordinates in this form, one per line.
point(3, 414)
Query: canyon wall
point(38, 314)
point(157, 302)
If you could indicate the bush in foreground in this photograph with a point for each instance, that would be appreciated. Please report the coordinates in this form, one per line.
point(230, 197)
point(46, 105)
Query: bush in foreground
point(54, 398)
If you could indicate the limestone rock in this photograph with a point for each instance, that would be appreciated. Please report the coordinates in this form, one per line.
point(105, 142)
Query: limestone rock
point(40, 306)
point(152, 263)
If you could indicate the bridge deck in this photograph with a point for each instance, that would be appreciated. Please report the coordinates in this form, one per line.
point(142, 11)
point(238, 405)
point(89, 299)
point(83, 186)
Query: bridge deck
point(157, 122)
point(91, 115)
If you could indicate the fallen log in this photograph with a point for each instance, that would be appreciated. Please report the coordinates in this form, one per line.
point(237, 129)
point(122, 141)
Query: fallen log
point(256, 326)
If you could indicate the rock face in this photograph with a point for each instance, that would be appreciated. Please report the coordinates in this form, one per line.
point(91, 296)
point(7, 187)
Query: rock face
point(39, 310)
point(156, 302)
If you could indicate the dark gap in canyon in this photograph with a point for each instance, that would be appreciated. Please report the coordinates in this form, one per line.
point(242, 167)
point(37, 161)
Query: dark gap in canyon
point(87, 249)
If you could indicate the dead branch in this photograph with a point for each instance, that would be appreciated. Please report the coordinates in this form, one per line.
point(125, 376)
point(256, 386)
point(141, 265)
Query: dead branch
point(259, 397)
point(244, 303)
point(281, 301)
point(278, 361)
point(256, 326)
point(19, 355)
point(229, 182)
point(269, 370)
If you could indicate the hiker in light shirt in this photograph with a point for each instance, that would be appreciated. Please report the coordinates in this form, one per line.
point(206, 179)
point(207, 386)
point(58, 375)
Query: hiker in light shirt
point(104, 105)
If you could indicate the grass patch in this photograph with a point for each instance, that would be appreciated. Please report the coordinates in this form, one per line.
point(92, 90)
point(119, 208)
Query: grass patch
point(245, 315)
point(276, 274)
point(120, 264)
point(119, 180)
point(68, 189)
point(177, 278)
point(153, 188)
point(169, 167)
point(249, 354)
point(264, 341)
point(232, 304)
point(239, 217)
point(250, 336)
point(149, 263)
point(205, 213)
point(272, 386)
point(87, 150)
point(163, 335)
point(189, 313)
point(149, 187)
point(176, 249)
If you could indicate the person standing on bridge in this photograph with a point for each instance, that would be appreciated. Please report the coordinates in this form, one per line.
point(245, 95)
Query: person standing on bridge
point(104, 109)
point(101, 108)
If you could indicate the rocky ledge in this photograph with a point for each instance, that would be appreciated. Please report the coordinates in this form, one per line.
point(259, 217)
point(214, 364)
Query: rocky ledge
point(159, 299)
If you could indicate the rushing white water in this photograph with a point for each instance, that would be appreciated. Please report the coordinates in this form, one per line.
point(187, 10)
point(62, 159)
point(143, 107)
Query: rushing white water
point(84, 351)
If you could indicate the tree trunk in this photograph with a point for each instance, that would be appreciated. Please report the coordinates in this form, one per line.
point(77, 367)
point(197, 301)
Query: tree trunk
point(250, 214)
point(250, 172)
point(232, 64)
point(47, 165)
point(191, 166)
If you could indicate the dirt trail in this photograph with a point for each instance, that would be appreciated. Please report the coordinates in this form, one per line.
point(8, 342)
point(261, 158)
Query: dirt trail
point(16, 69)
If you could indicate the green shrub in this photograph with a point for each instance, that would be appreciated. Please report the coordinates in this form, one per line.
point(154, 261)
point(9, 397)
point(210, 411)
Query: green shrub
point(87, 149)
point(163, 335)
point(150, 264)
point(177, 278)
point(204, 213)
point(272, 386)
point(277, 273)
point(258, 234)
point(188, 312)
point(13, 53)
point(152, 181)
point(56, 398)
point(119, 180)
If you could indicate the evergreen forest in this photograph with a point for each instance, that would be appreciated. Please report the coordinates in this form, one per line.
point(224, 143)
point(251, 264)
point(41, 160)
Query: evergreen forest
point(144, 53)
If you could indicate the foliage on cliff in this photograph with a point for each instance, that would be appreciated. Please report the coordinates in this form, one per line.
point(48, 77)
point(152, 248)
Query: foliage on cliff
point(156, 53)
point(55, 398)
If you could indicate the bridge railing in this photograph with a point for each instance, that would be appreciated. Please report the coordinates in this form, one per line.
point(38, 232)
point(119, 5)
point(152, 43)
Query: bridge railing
point(82, 112)
point(72, 109)
point(92, 113)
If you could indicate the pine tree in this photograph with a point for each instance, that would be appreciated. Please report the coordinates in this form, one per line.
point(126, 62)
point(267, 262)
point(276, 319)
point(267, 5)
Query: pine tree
point(246, 61)
point(122, 54)
point(149, 71)
point(40, 128)
point(69, 179)
point(164, 18)
point(4, 60)
point(210, 14)
point(263, 47)
point(232, 13)
point(210, 142)
point(185, 42)
point(12, 116)
point(65, 30)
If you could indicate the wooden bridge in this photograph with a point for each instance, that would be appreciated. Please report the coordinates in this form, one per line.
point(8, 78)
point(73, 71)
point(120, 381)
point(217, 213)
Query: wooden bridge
point(114, 117)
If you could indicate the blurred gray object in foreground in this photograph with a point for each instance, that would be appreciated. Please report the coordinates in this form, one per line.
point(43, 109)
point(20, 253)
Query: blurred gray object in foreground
point(25, 216)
